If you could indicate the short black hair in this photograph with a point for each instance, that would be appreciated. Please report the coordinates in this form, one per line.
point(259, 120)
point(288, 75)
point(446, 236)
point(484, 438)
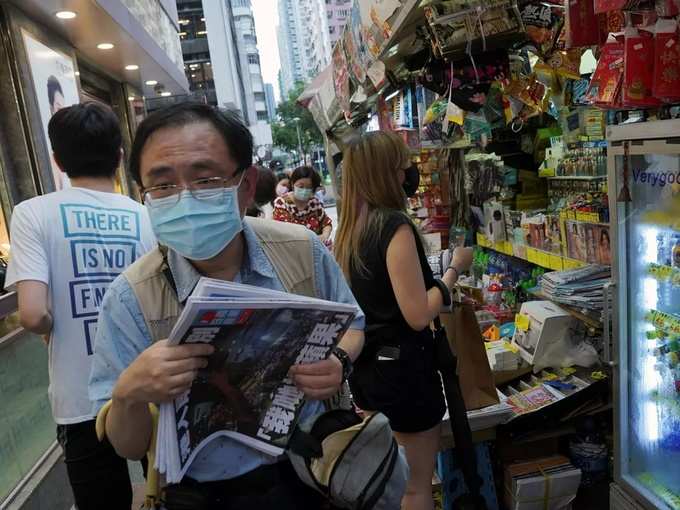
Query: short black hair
point(86, 140)
point(306, 172)
point(228, 123)
point(53, 86)
point(265, 190)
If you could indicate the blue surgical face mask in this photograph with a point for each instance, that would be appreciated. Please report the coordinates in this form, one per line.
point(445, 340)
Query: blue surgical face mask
point(302, 194)
point(197, 229)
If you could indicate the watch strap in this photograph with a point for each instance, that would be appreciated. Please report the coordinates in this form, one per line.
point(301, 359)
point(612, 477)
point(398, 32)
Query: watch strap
point(346, 361)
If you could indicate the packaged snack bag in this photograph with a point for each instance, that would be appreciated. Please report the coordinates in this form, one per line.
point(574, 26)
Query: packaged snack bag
point(543, 24)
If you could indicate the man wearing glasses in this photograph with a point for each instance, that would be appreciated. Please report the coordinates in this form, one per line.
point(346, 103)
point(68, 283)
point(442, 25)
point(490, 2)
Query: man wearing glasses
point(194, 165)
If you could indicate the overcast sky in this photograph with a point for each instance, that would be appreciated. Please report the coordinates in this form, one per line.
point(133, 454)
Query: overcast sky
point(266, 19)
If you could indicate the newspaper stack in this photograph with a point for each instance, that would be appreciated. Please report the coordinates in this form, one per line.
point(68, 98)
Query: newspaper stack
point(581, 287)
point(550, 482)
point(486, 417)
point(244, 393)
point(502, 355)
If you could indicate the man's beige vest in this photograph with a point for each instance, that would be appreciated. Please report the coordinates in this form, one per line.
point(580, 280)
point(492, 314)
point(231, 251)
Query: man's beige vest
point(288, 247)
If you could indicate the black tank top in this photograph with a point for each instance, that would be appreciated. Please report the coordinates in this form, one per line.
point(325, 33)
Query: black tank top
point(373, 290)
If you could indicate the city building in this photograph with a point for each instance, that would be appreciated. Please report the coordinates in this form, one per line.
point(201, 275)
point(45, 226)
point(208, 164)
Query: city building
point(338, 14)
point(124, 53)
point(304, 41)
point(271, 101)
point(222, 62)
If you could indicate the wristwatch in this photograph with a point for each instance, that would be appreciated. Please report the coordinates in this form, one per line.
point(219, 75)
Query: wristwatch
point(346, 361)
point(446, 292)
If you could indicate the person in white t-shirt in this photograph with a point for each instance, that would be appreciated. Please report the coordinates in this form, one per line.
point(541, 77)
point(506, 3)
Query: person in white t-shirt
point(67, 247)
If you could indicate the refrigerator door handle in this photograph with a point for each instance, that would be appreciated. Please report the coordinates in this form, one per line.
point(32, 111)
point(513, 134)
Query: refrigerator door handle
point(607, 327)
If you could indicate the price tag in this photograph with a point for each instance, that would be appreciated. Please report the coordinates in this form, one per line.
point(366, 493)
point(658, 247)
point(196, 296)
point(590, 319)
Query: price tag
point(522, 322)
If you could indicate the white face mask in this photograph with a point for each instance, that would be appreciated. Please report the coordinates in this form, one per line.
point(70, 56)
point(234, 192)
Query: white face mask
point(303, 194)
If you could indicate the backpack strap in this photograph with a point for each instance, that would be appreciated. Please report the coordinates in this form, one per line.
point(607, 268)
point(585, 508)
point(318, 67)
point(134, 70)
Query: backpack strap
point(290, 249)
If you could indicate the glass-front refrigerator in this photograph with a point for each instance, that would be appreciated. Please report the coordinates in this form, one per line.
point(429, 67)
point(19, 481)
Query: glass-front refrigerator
point(644, 197)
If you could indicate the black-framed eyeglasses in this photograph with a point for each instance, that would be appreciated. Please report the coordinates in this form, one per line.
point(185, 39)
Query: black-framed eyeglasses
point(201, 189)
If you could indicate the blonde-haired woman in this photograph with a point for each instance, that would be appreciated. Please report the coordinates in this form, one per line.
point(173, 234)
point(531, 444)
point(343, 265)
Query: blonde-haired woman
point(383, 258)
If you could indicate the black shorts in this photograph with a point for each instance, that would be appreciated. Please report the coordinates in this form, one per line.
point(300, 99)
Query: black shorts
point(407, 390)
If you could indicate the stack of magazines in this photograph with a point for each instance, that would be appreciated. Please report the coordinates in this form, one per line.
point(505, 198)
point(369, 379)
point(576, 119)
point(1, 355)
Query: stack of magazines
point(245, 392)
point(582, 287)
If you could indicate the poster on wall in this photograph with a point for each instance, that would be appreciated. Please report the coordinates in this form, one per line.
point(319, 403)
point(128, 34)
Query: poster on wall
point(55, 86)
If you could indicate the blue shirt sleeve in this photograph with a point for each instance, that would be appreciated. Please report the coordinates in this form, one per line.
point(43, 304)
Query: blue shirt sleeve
point(121, 336)
point(331, 283)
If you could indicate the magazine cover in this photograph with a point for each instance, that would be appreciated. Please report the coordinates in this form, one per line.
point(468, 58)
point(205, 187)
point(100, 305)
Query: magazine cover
point(245, 391)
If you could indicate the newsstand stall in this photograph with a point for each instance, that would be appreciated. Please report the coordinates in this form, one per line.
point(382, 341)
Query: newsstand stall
point(511, 110)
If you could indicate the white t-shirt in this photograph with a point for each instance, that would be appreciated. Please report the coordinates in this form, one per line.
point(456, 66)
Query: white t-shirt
point(76, 241)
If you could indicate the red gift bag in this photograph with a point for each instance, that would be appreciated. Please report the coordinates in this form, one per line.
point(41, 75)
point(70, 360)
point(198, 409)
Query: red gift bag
point(605, 84)
point(666, 61)
point(601, 6)
point(581, 23)
point(638, 74)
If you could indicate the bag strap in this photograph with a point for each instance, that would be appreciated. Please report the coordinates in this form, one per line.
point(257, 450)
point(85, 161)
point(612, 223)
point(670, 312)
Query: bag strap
point(458, 420)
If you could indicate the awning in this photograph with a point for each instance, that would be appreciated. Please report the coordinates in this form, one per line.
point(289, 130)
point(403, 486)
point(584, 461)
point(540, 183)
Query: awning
point(159, 56)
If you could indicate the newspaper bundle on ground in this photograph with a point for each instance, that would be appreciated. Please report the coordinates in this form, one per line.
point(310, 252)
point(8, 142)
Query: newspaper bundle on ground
point(245, 392)
point(581, 287)
point(548, 483)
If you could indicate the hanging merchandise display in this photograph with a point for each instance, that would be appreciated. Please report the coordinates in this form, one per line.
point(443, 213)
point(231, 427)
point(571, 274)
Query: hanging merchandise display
point(667, 61)
point(582, 24)
point(506, 107)
point(543, 22)
point(638, 75)
point(462, 27)
point(605, 85)
point(341, 79)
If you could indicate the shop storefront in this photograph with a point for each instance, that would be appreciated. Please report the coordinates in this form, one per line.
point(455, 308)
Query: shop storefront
point(544, 136)
point(118, 53)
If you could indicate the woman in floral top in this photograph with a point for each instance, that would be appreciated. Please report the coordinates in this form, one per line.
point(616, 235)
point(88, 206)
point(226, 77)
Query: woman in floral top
point(301, 206)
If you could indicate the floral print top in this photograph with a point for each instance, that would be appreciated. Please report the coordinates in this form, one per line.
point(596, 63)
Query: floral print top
point(313, 216)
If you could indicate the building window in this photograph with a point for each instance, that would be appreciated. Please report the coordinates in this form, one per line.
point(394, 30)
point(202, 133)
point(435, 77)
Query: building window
point(259, 96)
point(253, 59)
point(200, 76)
point(262, 116)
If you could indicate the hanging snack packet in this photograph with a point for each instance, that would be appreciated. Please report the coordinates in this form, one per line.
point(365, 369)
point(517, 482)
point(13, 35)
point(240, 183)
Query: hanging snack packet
point(543, 24)
point(638, 74)
point(606, 81)
point(666, 61)
point(563, 63)
point(435, 112)
point(530, 91)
